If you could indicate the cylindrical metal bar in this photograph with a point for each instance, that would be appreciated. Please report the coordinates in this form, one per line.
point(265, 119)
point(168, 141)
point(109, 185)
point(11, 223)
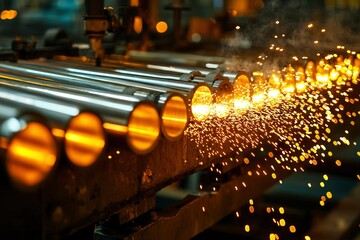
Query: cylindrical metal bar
point(27, 147)
point(172, 106)
point(136, 121)
point(184, 59)
point(83, 143)
point(242, 92)
point(223, 95)
point(202, 91)
point(222, 86)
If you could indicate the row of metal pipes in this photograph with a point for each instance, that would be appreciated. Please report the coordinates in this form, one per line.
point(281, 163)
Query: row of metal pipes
point(49, 103)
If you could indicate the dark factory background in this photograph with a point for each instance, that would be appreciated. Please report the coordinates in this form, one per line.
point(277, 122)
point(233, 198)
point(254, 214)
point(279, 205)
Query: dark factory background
point(208, 29)
point(200, 20)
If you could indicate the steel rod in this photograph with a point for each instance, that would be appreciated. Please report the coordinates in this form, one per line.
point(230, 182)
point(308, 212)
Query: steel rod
point(172, 106)
point(138, 122)
point(223, 95)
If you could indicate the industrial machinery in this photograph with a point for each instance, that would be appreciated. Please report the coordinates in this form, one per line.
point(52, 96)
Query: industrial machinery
point(99, 145)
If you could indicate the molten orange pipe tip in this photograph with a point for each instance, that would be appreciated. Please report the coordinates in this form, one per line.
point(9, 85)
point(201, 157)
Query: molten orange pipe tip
point(201, 102)
point(174, 117)
point(84, 139)
point(31, 155)
point(143, 128)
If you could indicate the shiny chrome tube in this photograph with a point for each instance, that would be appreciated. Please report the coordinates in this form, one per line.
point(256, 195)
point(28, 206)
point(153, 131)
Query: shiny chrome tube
point(199, 95)
point(83, 143)
point(138, 122)
point(184, 63)
point(223, 94)
point(27, 147)
point(172, 106)
point(193, 60)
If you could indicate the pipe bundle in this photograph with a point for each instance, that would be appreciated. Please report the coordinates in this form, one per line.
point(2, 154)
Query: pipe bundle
point(51, 108)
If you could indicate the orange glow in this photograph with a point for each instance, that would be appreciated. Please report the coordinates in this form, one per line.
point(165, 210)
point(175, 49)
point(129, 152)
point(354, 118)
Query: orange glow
point(334, 75)
point(259, 86)
point(300, 78)
point(138, 24)
point(322, 80)
point(143, 128)
point(224, 100)
point(329, 195)
point(282, 222)
point(8, 14)
point(84, 139)
point(201, 103)
point(115, 128)
point(242, 90)
point(57, 132)
point(31, 155)
point(251, 209)
point(310, 72)
point(289, 82)
point(3, 142)
point(275, 81)
point(161, 27)
point(134, 3)
point(174, 117)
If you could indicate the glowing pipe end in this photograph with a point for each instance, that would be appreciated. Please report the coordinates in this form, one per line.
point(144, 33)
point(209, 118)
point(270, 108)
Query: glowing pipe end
point(201, 102)
point(31, 155)
point(242, 93)
point(84, 139)
point(224, 99)
point(143, 128)
point(174, 117)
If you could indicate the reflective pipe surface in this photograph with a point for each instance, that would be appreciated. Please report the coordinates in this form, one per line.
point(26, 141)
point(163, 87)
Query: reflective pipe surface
point(27, 147)
point(221, 104)
point(196, 93)
point(259, 86)
point(138, 122)
point(172, 106)
point(242, 92)
point(193, 60)
point(224, 98)
point(83, 143)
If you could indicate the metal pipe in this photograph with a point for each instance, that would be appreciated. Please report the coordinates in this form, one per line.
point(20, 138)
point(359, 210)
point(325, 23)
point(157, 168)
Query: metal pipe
point(83, 143)
point(172, 106)
point(223, 96)
point(223, 88)
point(242, 92)
point(189, 60)
point(199, 94)
point(27, 147)
point(136, 121)
point(223, 93)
